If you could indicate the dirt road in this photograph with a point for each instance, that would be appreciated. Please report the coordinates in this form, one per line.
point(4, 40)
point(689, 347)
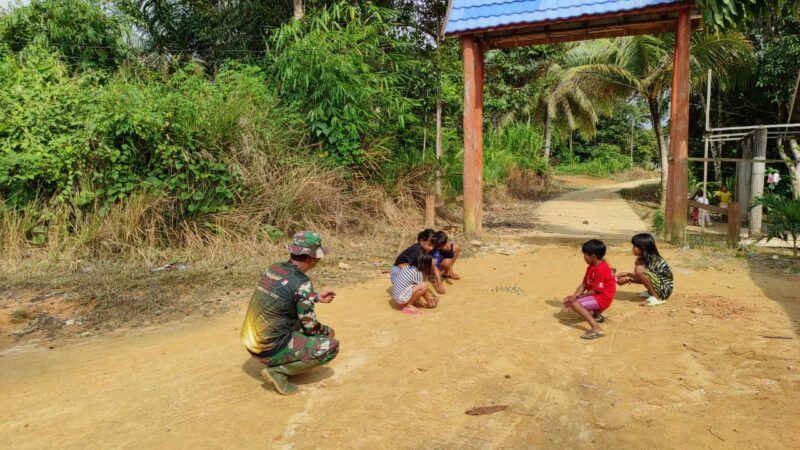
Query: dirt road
point(717, 367)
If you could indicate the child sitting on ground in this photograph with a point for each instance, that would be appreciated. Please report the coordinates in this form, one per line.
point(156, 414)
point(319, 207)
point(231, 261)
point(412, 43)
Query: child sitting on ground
point(651, 270)
point(409, 289)
point(424, 244)
point(596, 292)
point(445, 255)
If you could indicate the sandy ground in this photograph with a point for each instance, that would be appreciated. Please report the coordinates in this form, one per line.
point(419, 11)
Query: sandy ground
point(717, 367)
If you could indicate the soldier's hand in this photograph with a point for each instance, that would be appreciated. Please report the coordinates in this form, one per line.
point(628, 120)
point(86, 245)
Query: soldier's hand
point(327, 296)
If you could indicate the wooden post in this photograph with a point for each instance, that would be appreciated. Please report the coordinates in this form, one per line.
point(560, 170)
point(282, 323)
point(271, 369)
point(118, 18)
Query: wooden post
point(678, 173)
point(705, 146)
point(472, 54)
point(757, 180)
point(743, 176)
point(734, 223)
point(430, 209)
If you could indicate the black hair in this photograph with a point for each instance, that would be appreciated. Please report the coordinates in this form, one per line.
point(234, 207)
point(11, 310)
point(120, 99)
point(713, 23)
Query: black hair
point(299, 258)
point(424, 263)
point(439, 238)
point(425, 235)
point(699, 193)
point(594, 247)
point(647, 244)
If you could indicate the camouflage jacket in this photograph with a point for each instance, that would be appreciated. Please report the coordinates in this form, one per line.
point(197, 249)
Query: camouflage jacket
point(283, 302)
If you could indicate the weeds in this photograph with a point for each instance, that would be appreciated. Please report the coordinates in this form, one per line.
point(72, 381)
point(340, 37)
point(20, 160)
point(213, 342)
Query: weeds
point(19, 315)
point(601, 167)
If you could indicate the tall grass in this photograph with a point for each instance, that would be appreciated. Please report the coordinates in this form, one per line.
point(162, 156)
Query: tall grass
point(601, 167)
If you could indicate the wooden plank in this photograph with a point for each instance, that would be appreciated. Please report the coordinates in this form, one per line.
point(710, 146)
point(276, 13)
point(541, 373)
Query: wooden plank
point(757, 179)
point(745, 160)
point(710, 208)
point(658, 9)
point(472, 54)
point(581, 34)
point(678, 173)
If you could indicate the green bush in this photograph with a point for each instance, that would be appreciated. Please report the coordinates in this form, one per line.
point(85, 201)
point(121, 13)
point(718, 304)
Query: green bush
point(658, 222)
point(604, 160)
point(65, 137)
point(346, 71)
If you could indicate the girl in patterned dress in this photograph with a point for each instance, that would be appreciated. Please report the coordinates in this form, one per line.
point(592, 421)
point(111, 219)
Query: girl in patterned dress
point(651, 270)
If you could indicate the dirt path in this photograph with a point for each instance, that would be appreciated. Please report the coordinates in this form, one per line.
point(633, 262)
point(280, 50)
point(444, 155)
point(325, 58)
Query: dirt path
point(717, 367)
point(596, 212)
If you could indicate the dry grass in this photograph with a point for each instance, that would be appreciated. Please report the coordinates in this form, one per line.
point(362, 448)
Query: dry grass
point(635, 174)
point(102, 258)
point(528, 185)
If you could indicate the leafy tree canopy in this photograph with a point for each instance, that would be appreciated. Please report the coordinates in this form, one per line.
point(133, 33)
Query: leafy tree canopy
point(84, 32)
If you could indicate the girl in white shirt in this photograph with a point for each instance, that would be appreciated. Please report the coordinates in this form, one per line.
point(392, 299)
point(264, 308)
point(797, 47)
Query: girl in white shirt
point(409, 289)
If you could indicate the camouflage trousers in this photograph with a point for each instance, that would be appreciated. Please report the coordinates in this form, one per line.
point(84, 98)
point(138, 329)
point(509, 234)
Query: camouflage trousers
point(302, 347)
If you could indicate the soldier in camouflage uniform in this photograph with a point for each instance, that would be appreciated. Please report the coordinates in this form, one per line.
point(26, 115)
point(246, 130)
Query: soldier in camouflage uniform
point(281, 328)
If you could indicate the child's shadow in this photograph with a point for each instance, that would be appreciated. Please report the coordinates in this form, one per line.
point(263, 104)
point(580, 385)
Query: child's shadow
point(568, 318)
point(253, 368)
point(628, 296)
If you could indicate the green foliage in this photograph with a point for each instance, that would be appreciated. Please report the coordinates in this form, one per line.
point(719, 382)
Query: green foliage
point(516, 145)
point(718, 14)
point(82, 32)
point(601, 160)
point(212, 32)
point(658, 222)
point(784, 218)
point(346, 72)
point(71, 138)
point(18, 315)
point(779, 59)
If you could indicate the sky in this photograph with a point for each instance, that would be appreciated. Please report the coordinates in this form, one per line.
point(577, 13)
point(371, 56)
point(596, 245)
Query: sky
point(5, 3)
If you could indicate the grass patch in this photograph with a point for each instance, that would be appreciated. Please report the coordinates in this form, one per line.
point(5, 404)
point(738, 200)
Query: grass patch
point(20, 315)
point(600, 168)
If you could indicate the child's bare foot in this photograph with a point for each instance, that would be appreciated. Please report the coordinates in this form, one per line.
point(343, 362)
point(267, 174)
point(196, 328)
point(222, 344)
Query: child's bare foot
point(411, 310)
point(453, 276)
point(440, 289)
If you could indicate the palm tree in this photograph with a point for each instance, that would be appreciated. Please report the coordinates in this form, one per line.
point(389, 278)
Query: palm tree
point(643, 66)
point(567, 95)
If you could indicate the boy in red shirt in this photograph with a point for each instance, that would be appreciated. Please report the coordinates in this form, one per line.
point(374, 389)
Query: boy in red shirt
point(595, 293)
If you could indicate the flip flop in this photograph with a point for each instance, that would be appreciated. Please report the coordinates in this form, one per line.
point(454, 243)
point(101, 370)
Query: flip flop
point(600, 318)
point(411, 312)
point(592, 335)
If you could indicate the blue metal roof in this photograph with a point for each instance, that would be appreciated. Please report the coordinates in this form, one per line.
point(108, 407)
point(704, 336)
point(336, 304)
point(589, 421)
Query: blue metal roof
point(467, 15)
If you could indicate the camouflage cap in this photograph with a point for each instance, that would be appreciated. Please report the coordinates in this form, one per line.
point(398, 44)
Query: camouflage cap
point(307, 243)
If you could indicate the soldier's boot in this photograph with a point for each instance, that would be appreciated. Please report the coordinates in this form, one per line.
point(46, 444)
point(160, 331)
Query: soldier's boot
point(278, 375)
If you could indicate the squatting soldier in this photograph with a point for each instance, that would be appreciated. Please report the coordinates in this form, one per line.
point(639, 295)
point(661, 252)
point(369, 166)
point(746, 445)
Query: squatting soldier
point(281, 329)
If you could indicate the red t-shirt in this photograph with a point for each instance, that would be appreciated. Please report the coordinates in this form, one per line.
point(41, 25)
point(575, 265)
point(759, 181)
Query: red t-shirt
point(601, 279)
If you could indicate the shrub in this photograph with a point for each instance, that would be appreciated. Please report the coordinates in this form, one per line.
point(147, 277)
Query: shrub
point(784, 217)
point(346, 71)
point(658, 222)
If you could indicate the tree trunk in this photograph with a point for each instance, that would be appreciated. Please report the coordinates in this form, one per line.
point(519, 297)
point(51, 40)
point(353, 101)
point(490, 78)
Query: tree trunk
point(548, 125)
point(794, 167)
point(655, 117)
point(299, 10)
point(439, 143)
